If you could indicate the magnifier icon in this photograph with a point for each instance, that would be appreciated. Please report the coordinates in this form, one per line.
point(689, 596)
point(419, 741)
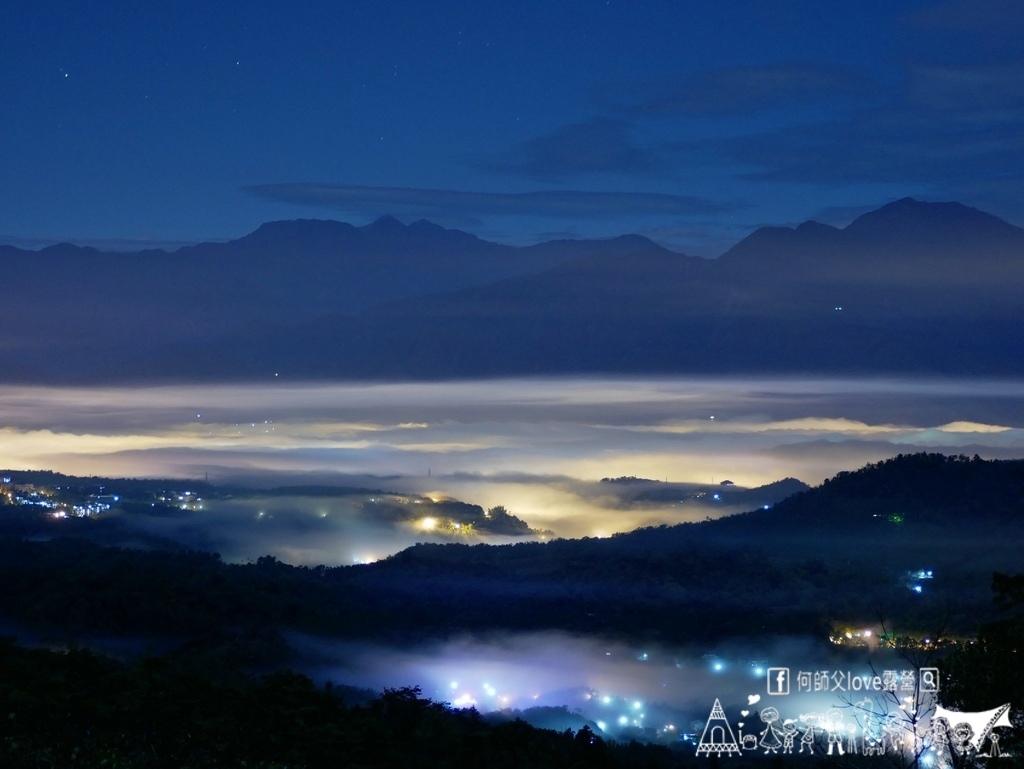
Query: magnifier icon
point(929, 680)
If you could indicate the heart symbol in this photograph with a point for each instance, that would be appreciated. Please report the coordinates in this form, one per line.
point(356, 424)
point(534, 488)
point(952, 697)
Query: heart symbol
point(744, 713)
point(753, 699)
point(741, 724)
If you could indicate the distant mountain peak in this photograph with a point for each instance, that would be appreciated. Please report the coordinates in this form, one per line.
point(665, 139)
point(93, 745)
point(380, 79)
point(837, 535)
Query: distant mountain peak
point(905, 208)
point(641, 241)
point(911, 218)
point(903, 226)
point(68, 249)
point(908, 202)
point(814, 227)
point(385, 223)
point(424, 225)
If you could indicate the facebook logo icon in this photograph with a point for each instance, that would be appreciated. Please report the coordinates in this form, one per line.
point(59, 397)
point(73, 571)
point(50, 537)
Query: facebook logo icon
point(778, 680)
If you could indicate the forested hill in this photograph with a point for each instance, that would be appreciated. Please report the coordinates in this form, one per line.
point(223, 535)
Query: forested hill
point(909, 488)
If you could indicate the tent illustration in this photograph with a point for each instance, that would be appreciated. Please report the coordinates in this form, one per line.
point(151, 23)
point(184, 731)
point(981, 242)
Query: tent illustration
point(981, 723)
point(717, 737)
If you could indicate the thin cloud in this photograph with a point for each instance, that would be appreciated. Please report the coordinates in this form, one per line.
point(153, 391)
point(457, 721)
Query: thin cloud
point(947, 127)
point(972, 427)
point(449, 447)
point(997, 90)
point(598, 146)
point(803, 425)
point(447, 204)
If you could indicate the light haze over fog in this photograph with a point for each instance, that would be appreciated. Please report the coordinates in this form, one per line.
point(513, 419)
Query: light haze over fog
point(537, 446)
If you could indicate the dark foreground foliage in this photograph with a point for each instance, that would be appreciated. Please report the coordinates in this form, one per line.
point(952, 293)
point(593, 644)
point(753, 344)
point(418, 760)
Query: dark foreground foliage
point(78, 709)
point(990, 671)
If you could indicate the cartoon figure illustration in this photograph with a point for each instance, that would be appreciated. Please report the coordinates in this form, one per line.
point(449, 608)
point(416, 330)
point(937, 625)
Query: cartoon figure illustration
point(851, 739)
point(962, 734)
point(834, 724)
point(788, 736)
point(892, 732)
point(867, 720)
point(810, 720)
point(939, 739)
point(770, 736)
point(994, 749)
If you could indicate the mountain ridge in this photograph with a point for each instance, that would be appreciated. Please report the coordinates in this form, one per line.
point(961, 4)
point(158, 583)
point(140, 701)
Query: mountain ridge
point(412, 301)
point(902, 223)
point(833, 307)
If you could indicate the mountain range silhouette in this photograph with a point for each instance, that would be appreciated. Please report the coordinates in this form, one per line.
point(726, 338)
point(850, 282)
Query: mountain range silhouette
point(912, 287)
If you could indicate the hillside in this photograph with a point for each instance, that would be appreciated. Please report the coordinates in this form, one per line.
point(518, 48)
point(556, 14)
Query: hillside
point(912, 490)
point(792, 569)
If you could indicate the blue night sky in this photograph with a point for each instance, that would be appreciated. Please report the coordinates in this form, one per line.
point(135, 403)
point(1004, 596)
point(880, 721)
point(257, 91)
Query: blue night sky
point(691, 122)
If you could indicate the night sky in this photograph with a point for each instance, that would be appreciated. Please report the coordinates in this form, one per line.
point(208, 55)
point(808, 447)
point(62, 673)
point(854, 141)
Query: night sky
point(692, 122)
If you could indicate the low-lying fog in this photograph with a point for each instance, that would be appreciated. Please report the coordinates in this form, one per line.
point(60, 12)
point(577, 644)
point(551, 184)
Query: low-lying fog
point(539, 447)
point(621, 688)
